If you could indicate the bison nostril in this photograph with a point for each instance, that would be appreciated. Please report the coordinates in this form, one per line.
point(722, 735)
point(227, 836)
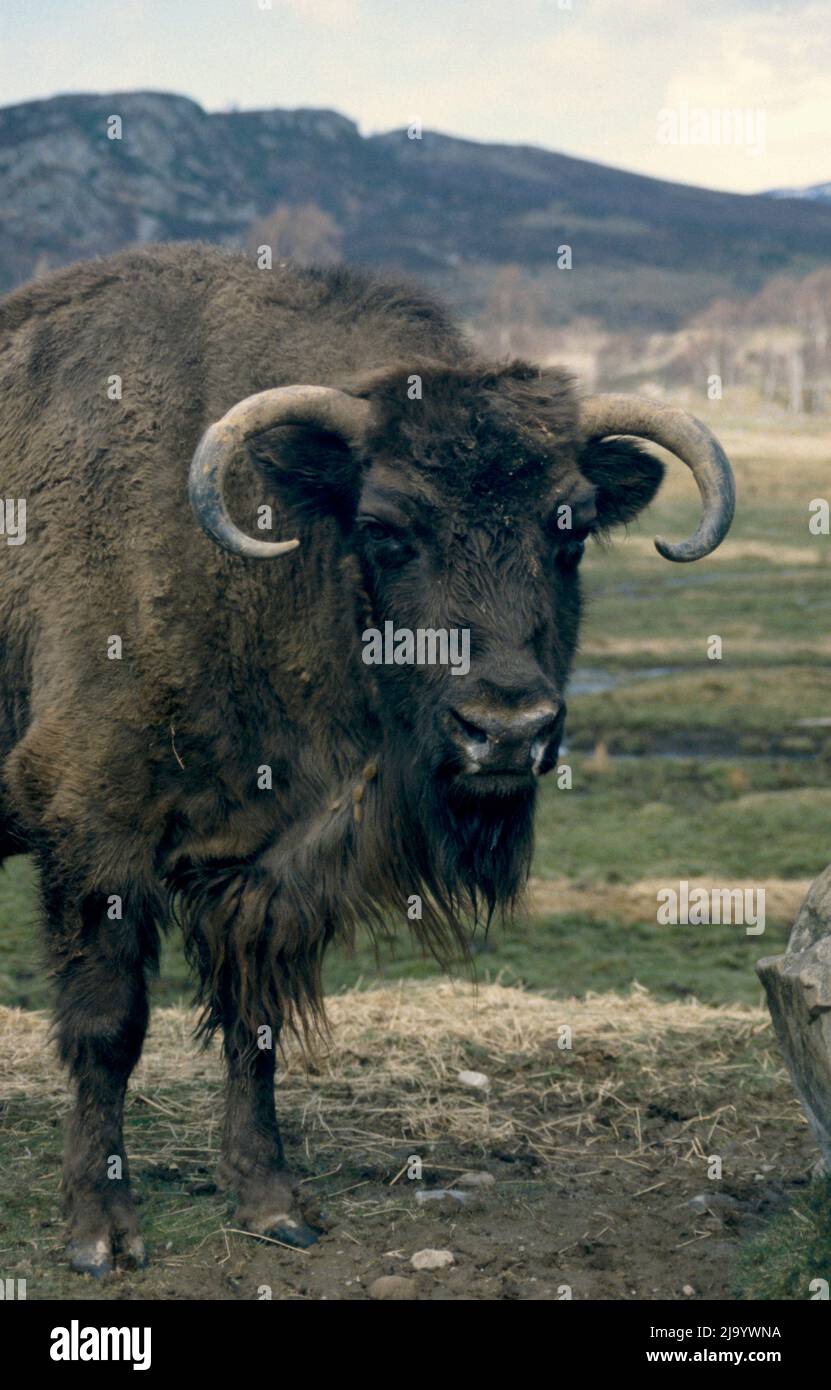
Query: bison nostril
point(499, 739)
point(469, 729)
point(547, 729)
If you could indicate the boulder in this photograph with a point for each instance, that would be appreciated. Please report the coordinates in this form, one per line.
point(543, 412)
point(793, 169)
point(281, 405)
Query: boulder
point(798, 989)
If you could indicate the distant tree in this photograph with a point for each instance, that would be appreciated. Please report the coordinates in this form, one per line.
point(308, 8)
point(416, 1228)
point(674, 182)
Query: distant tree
point(512, 320)
point(301, 232)
point(777, 340)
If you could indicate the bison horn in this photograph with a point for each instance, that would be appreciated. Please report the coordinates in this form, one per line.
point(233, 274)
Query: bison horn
point(321, 406)
point(690, 441)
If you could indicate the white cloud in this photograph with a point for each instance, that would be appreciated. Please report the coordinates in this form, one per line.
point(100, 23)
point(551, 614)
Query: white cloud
point(609, 74)
point(779, 64)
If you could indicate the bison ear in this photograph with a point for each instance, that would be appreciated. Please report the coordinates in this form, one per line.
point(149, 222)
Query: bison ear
point(311, 470)
point(624, 475)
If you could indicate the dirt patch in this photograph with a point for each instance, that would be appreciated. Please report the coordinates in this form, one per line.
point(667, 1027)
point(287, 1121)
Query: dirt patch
point(595, 1150)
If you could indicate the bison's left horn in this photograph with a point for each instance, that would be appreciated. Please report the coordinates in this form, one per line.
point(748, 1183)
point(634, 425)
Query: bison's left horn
point(690, 441)
point(320, 406)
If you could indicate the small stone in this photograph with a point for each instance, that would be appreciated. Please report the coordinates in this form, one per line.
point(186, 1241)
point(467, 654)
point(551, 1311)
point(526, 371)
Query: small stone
point(441, 1194)
point(391, 1288)
point(476, 1179)
point(474, 1080)
point(688, 1291)
point(720, 1203)
point(432, 1259)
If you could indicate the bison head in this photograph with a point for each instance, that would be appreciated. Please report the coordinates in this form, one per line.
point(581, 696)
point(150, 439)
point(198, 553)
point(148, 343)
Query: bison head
point(466, 497)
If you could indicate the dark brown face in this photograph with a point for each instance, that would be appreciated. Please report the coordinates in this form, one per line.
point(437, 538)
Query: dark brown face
point(467, 503)
point(471, 522)
point(491, 596)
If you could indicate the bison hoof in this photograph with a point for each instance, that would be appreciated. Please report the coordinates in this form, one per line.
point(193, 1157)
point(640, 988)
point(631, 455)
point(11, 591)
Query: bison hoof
point(91, 1257)
point(288, 1229)
point(272, 1208)
point(132, 1255)
point(99, 1256)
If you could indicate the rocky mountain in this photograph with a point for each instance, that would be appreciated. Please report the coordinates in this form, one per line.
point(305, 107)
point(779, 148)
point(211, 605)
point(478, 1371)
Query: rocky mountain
point(452, 212)
point(817, 192)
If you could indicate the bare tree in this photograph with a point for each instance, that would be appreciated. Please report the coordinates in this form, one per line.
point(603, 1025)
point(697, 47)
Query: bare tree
point(302, 233)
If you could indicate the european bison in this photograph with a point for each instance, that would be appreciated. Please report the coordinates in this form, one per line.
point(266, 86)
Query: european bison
point(188, 723)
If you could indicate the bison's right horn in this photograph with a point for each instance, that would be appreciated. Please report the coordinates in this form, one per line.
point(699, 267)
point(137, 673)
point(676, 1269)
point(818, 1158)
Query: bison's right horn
point(692, 442)
point(321, 406)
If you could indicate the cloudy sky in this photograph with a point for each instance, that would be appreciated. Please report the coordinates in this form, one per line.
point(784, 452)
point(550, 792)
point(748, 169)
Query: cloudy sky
point(587, 77)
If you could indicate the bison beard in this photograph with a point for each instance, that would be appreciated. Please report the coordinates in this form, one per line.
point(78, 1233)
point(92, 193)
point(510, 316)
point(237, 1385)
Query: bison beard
point(257, 932)
point(133, 780)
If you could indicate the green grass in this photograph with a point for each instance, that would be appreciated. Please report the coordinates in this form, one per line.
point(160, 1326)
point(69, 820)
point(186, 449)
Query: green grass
point(757, 602)
point(793, 1251)
point(566, 956)
point(651, 817)
point(743, 711)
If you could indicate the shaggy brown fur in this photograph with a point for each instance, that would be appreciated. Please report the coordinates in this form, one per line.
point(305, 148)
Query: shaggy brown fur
point(139, 778)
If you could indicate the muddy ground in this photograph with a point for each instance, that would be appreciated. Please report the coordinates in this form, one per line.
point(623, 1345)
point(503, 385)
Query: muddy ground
point(596, 1151)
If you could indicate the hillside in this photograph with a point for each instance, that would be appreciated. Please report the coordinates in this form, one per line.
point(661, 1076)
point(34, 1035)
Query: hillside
point(452, 212)
point(817, 193)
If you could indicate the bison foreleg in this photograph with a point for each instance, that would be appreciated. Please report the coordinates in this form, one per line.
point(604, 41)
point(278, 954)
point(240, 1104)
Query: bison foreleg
point(101, 1019)
point(252, 1150)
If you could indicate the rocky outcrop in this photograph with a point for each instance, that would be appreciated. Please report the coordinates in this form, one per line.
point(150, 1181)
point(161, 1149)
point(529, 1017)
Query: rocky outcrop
point(798, 988)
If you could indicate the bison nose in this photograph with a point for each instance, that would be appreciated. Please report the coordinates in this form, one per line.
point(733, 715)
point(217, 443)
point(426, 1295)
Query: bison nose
point(508, 740)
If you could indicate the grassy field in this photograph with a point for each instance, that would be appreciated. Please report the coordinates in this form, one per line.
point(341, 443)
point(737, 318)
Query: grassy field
point(683, 768)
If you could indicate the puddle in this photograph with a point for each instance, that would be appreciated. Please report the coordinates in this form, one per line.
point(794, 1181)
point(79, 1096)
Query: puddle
point(722, 743)
point(594, 680)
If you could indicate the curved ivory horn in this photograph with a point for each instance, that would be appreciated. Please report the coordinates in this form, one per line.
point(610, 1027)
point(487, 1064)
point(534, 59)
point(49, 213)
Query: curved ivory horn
point(691, 442)
point(322, 406)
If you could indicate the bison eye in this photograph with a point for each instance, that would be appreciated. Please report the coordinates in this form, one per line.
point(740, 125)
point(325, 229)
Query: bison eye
point(570, 554)
point(384, 543)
